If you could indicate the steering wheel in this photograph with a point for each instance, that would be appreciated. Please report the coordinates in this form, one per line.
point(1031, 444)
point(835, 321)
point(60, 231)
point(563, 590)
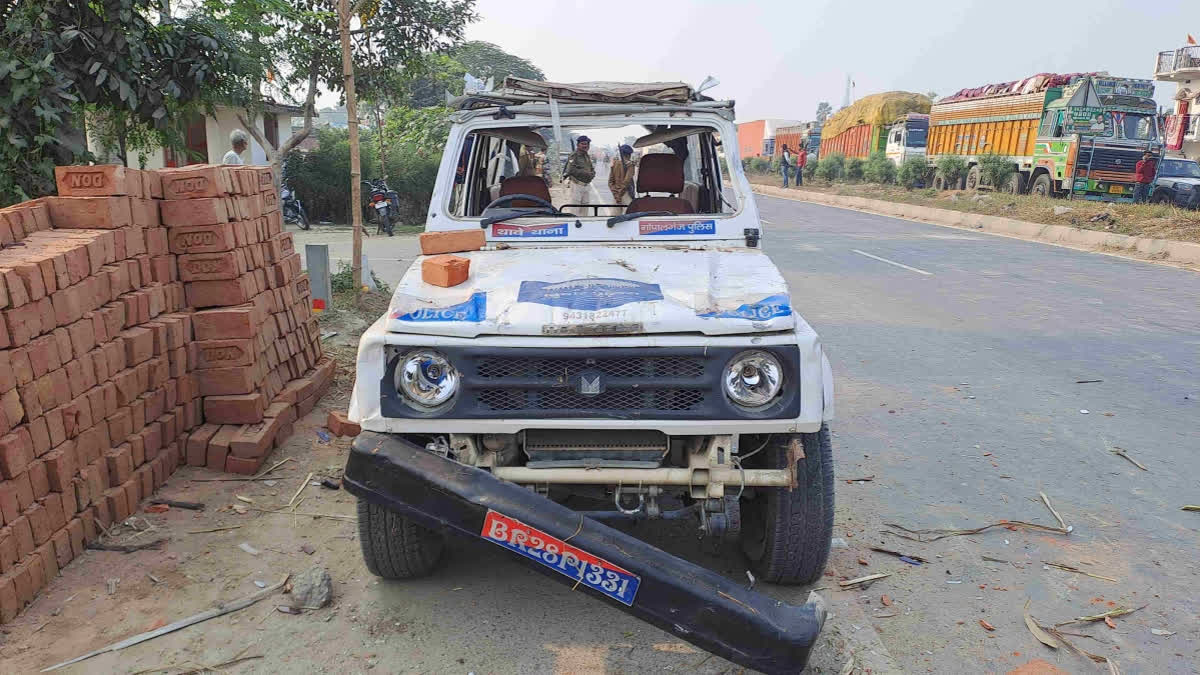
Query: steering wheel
point(508, 199)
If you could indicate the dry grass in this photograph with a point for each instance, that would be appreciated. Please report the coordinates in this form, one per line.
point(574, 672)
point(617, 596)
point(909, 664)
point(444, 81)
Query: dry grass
point(349, 319)
point(1159, 221)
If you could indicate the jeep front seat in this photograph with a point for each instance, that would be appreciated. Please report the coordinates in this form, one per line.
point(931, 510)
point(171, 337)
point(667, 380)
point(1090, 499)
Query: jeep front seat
point(660, 172)
point(525, 185)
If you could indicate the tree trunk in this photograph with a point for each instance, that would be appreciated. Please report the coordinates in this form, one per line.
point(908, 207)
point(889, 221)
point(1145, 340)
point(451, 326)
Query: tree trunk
point(379, 132)
point(275, 156)
point(355, 162)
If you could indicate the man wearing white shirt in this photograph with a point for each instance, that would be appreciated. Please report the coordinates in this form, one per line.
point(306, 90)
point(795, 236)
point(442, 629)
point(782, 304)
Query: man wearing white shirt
point(239, 141)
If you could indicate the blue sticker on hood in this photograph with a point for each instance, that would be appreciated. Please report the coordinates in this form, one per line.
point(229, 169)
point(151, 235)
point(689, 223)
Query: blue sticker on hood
point(588, 294)
point(770, 307)
point(474, 309)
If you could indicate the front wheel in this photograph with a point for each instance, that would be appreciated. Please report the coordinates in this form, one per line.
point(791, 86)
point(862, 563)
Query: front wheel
point(1160, 197)
point(786, 533)
point(395, 547)
point(1042, 186)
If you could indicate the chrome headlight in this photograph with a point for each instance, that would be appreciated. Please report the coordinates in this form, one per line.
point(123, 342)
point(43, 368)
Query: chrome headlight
point(1184, 187)
point(426, 379)
point(753, 379)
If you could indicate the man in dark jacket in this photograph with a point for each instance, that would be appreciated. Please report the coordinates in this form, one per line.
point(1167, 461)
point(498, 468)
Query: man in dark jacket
point(1146, 170)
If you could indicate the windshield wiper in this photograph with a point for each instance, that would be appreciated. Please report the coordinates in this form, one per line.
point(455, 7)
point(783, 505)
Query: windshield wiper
point(484, 222)
point(637, 214)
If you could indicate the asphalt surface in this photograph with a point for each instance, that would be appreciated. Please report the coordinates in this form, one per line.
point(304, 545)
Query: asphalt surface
point(959, 359)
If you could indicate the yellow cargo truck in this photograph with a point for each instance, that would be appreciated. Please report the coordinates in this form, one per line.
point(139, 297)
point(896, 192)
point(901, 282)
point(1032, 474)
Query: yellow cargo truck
point(1073, 135)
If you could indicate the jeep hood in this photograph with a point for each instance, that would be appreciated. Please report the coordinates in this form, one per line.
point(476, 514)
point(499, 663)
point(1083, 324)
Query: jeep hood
point(598, 290)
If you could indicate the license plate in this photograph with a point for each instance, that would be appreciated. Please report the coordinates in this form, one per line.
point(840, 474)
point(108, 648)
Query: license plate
point(379, 206)
point(1116, 189)
point(574, 563)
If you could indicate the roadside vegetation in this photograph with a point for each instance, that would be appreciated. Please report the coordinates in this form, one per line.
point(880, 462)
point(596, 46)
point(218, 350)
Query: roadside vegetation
point(1161, 221)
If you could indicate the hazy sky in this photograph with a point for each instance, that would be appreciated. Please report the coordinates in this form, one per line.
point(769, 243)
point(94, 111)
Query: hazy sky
point(778, 59)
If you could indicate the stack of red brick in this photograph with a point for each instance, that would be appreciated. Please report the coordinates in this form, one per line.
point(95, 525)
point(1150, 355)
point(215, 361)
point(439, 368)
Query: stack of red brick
point(257, 355)
point(96, 398)
point(126, 321)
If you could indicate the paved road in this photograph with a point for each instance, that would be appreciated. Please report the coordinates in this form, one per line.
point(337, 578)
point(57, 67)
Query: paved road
point(958, 358)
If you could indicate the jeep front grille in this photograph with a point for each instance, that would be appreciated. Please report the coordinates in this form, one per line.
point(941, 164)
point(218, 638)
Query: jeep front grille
point(615, 383)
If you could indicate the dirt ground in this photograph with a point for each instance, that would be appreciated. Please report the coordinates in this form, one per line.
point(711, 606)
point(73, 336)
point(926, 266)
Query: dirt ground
point(1161, 221)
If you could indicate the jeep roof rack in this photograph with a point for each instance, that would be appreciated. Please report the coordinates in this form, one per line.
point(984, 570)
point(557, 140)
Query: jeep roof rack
point(517, 90)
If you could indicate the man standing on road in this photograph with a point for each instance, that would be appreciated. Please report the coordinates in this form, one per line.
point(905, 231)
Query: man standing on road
point(620, 177)
point(1146, 169)
point(785, 164)
point(238, 140)
point(801, 162)
point(580, 172)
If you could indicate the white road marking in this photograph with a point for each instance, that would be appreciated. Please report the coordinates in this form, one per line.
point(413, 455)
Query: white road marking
point(892, 262)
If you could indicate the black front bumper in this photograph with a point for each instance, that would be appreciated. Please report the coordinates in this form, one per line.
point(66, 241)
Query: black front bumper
point(693, 603)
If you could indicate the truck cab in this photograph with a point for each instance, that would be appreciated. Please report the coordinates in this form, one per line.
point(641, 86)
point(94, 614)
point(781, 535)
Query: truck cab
point(1090, 139)
point(605, 360)
point(907, 137)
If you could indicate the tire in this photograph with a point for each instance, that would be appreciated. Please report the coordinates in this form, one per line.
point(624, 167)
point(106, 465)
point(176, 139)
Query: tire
point(1016, 184)
point(973, 178)
point(939, 182)
point(302, 219)
point(1160, 197)
point(395, 547)
point(1042, 186)
point(786, 534)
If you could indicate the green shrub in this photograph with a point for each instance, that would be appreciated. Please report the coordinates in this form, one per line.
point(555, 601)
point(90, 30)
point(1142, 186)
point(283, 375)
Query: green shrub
point(996, 170)
point(831, 168)
point(880, 169)
point(854, 169)
point(912, 172)
point(810, 169)
point(952, 169)
point(343, 280)
point(760, 165)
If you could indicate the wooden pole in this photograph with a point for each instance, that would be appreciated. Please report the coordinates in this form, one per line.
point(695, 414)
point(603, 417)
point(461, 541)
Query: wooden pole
point(355, 164)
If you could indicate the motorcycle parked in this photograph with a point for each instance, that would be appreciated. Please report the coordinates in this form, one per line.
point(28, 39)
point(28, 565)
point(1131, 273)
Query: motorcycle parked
point(385, 202)
point(293, 210)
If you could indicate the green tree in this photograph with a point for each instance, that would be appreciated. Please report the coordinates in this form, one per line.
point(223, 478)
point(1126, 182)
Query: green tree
point(426, 82)
point(390, 38)
point(824, 110)
point(63, 56)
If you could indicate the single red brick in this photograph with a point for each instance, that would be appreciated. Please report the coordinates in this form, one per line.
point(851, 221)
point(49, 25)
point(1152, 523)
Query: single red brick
point(9, 509)
point(192, 182)
point(62, 547)
point(39, 567)
point(24, 582)
point(93, 213)
point(145, 479)
point(22, 532)
point(222, 292)
point(13, 409)
point(145, 213)
point(229, 381)
point(97, 181)
point(218, 447)
point(133, 494)
point(118, 503)
point(69, 504)
point(191, 212)
point(224, 353)
point(452, 241)
point(39, 523)
point(198, 441)
point(16, 452)
point(54, 510)
point(247, 466)
point(38, 479)
point(88, 517)
point(24, 490)
point(75, 532)
point(8, 550)
point(120, 464)
point(341, 425)
point(10, 602)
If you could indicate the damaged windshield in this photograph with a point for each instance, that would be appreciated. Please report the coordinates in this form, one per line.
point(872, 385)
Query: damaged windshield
point(592, 171)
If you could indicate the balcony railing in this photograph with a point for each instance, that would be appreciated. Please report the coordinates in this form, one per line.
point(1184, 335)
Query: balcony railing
point(1184, 58)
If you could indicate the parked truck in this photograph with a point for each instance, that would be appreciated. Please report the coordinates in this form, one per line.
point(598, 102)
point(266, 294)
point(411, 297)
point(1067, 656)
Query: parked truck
point(1078, 135)
point(860, 129)
point(906, 138)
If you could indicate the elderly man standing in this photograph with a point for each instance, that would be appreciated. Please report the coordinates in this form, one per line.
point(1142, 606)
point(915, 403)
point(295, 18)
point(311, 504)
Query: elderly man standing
point(620, 177)
point(580, 172)
point(238, 140)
